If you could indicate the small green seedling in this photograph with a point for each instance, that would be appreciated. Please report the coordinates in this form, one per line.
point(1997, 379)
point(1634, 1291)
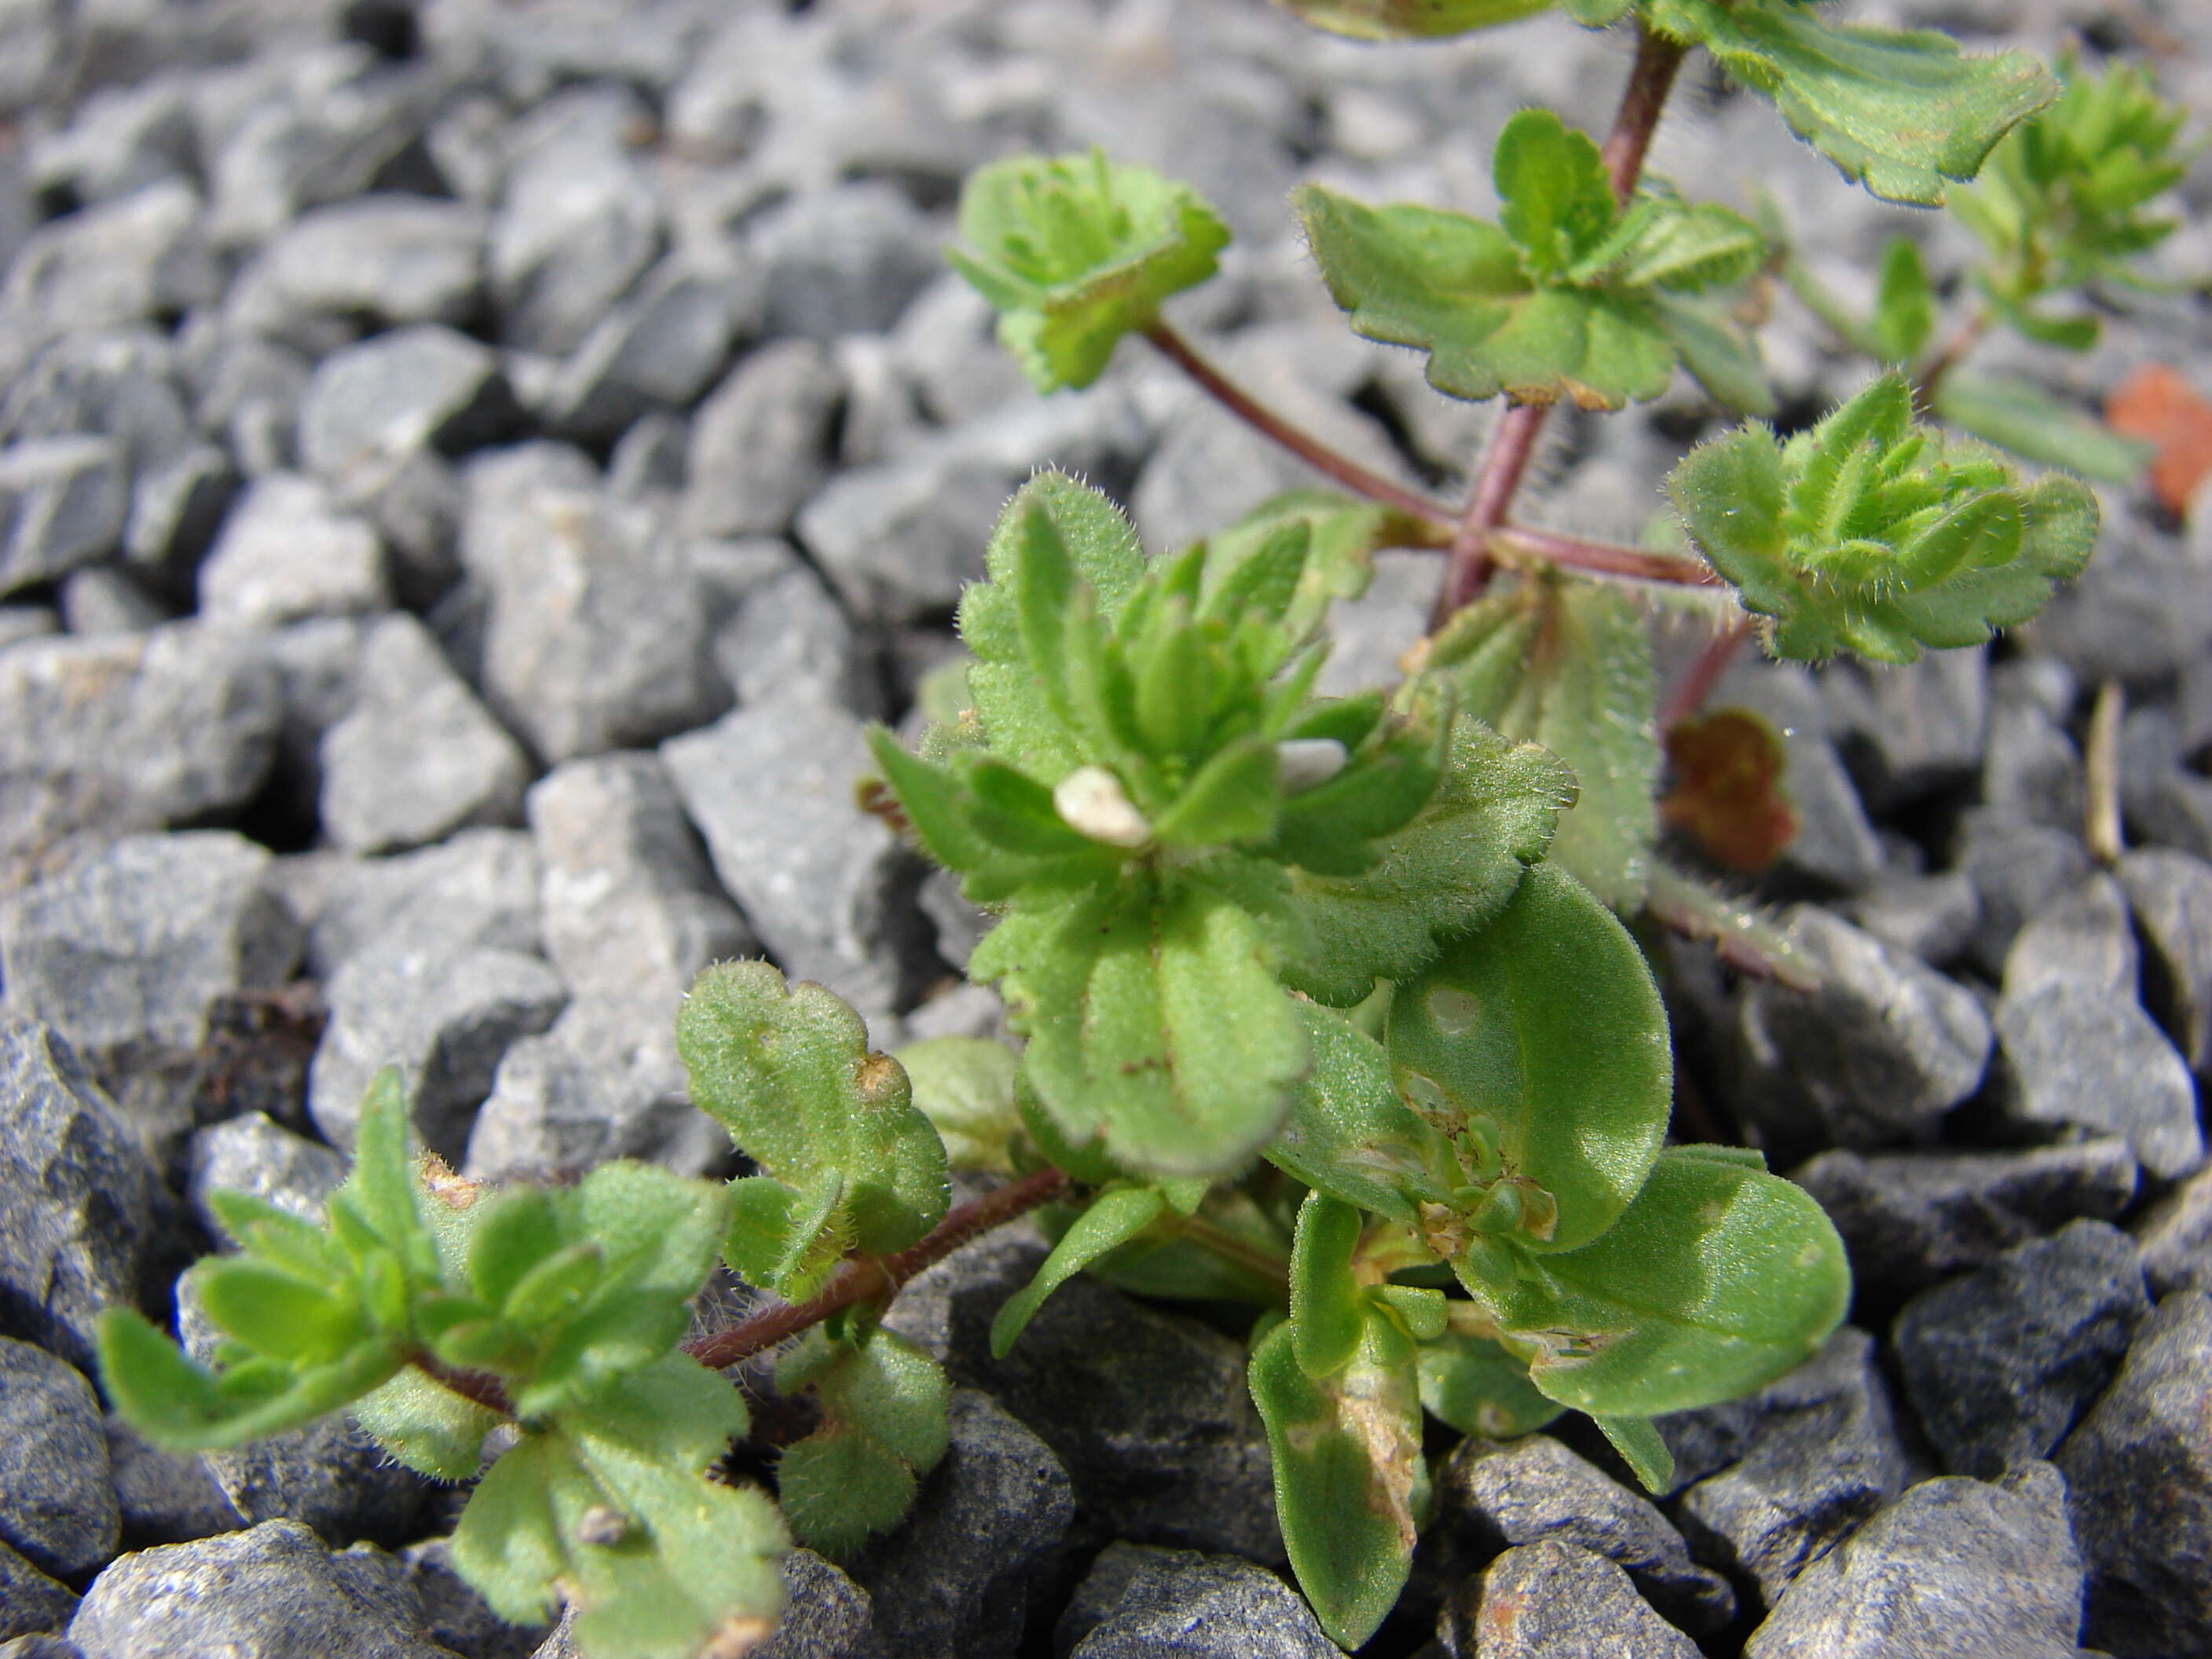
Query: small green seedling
point(1327, 1005)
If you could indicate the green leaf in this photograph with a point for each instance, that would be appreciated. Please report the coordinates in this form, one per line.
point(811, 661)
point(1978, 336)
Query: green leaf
point(884, 1425)
point(276, 1313)
point(1717, 1280)
point(1454, 287)
point(2021, 415)
point(1641, 1447)
point(1471, 1384)
point(966, 1087)
point(1348, 1473)
point(427, 1426)
point(182, 1407)
point(1556, 203)
point(613, 1511)
point(1152, 1017)
point(1596, 13)
point(1900, 111)
point(1716, 349)
point(377, 1201)
point(2061, 204)
point(1456, 862)
point(1410, 20)
point(1051, 512)
point(1344, 533)
point(1329, 1308)
point(1874, 534)
point(1584, 689)
point(1904, 304)
point(1350, 1136)
point(1541, 1039)
point(1114, 1218)
point(788, 1072)
point(1075, 252)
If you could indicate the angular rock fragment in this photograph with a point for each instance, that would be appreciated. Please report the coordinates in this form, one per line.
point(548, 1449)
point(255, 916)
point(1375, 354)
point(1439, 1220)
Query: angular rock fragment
point(1953, 1566)
point(1999, 1364)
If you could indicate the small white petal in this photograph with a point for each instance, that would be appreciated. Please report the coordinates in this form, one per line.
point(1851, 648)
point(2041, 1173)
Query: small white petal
point(1301, 763)
point(1090, 799)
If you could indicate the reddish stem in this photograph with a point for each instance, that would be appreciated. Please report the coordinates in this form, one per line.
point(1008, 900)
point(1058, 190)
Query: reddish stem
point(1513, 441)
point(1931, 376)
point(1705, 674)
point(1607, 558)
point(869, 1278)
point(1301, 443)
point(480, 1387)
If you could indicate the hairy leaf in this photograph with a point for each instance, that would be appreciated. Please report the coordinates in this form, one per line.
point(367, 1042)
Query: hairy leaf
point(788, 1072)
point(1152, 1019)
point(1329, 1308)
point(1345, 533)
point(884, 1425)
point(613, 1512)
point(1556, 299)
point(1076, 251)
point(1583, 686)
point(966, 1087)
point(1643, 1449)
point(1539, 1041)
point(1898, 110)
point(1349, 1133)
point(1904, 304)
point(1453, 865)
point(1349, 1477)
point(1114, 1218)
point(1873, 533)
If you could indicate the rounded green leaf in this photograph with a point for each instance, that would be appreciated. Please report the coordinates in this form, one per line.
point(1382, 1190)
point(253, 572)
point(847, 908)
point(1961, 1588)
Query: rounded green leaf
point(1411, 20)
point(1544, 1031)
point(1718, 1279)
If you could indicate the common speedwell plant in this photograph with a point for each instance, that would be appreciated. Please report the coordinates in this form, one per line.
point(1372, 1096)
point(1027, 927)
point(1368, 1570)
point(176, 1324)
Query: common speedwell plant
point(1326, 1004)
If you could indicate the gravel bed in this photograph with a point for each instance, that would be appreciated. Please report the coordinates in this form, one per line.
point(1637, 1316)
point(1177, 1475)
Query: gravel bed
point(469, 469)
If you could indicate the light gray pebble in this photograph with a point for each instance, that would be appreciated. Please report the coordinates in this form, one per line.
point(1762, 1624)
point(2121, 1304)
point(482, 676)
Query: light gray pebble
point(760, 444)
point(770, 788)
point(1139, 1602)
point(62, 502)
point(443, 1018)
point(1553, 1600)
point(2139, 1477)
point(286, 552)
point(272, 1592)
point(1911, 1219)
point(2083, 1059)
point(58, 1509)
point(416, 757)
point(2000, 1363)
point(1953, 1566)
point(1878, 1054)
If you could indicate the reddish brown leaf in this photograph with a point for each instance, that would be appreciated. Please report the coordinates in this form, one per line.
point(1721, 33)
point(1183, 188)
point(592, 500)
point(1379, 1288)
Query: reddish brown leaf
point(2157, 404)
point(1727, 773)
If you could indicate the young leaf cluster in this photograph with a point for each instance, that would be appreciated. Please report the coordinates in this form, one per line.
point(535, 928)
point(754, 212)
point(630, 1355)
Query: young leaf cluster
point(1873, 533)
point(1570, 294)
point(1077, 251)
point(1176, 828)
point(437, 1316)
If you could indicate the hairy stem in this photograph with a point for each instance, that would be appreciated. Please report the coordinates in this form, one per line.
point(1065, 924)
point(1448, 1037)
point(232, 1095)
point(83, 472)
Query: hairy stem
point(872, 1277)
point(1513, 440)
point(1607, 558)
point(1932, 372)
point(1301, 443)
point(1705, 674)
